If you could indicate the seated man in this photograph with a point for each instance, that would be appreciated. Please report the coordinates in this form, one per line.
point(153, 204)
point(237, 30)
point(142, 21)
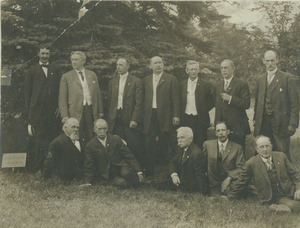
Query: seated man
point(109, 159)
point(224, 160)
point(276, 180)
point(65, 153)
point(188, 166)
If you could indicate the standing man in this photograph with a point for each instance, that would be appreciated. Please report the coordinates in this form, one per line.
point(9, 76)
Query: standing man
point(41, 96)
point(80, 96)
point(66, 153)
point(108, 159)
point(276, 180)
point(224, 160)
point(161, 112)
point(196, 101)
point(188, 167)
point(125, 97)
point(232, 100)
point(276, 110)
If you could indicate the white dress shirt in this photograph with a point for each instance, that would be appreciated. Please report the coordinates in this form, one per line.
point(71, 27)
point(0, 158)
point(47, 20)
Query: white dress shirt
point(155, 81)
point(45, 69)
point(190, 108)
point(122, 83)
point(271, 75)
point(87, 99)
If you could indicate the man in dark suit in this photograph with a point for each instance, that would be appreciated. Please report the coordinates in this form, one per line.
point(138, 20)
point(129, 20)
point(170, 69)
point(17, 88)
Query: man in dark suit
point(196, 101)
point(125, 97)
point(224, 160)
point(188, 167)
point(276, 180)
point(161, 112)
point(66, 153)
point(276, 109)
point(41, 95)
point(232, 99)
point(80, 96)
point(108, 159)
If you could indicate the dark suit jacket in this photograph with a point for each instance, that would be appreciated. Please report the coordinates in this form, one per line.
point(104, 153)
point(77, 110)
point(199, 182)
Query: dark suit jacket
point(99, 158)
point(232, 160)
point(234, 113)
point(192, 170)
point(37, 87)
point(287, 175)
point(203, 97)
point(284, 100)
point(64, 156)
point(132, 101)
point(167, 101)
point(71, 95)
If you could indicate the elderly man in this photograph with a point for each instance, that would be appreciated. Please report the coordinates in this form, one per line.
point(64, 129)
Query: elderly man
point(66, 153)
point(276, 109)
point(125, 97)
point(196, 101)
point(108, 159)
point(41, 95)
point(232, 99)
point(80, 96)
point(188, 166)
point(276, 180)
point(224, 159)
point(161, 112)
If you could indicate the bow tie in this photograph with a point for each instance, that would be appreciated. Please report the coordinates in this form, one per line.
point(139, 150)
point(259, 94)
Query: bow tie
point(44, 65)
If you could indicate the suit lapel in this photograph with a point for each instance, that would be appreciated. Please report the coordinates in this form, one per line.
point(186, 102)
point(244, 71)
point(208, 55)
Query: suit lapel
point(276, 163)
point(275, 82)
point(185, 89)
point(263, 86)
point(89, 80)
point(127, 85)
point(188, 154)
point(263, 169)
point(76, 79)
point(231, 84)
point(227, 150)
point(161, 80)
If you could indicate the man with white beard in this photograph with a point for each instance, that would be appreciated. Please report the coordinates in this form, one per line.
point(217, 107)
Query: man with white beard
point(65, 153)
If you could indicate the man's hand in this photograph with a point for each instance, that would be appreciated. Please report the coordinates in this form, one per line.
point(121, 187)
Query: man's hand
point(30, 130)
point(225, 97)
point(141, 176)
point(225, 183)
point(133, 124)
point(176, 121)
point(291, 129)
point(64, 119)
point(56, 113)
point(297, 195)
point(85, 185)
point(175, 179)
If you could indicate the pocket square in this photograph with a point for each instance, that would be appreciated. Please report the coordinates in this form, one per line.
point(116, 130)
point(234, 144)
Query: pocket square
point(280, 90)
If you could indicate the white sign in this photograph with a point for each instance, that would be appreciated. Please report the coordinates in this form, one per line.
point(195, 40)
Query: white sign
point(10, 160)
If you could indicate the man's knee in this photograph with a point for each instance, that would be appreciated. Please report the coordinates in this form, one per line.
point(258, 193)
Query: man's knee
point(119, 182)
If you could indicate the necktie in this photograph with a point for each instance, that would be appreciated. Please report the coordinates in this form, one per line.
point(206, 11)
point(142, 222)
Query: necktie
point(226, 85)
point(269, 162)
point(81, 74)
point(222, 149)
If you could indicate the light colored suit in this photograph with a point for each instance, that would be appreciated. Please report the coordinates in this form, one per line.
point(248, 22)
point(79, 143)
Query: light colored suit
point(70, 99)
point(232, 161)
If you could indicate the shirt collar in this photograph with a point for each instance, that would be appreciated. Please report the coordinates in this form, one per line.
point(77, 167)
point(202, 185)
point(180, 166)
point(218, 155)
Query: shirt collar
point(77, 71)
point(266, 159)
point(272, 72)
point(224, 143)
point(43, 63)
point(229, 80)
point(192, 82)
point(102, 140)
point(157, 75)
point(124, 75)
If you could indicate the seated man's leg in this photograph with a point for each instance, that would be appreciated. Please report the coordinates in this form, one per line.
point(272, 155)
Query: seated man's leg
point(128, 174)
point(294, 205)
point(119, 182)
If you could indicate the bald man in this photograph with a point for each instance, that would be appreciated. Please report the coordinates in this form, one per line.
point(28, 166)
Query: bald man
point(65, 153)
point(109, 160)
point(232, 100)
point(276, 180)
point(188, 167)
point(161, 113)
point(276, 109)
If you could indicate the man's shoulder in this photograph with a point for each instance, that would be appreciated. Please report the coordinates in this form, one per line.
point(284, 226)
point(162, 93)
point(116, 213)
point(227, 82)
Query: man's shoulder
point(278, 154)
point(239, 81)
point(92, 142)
point(210, 142)
point(234, 145)
point(60, 139)
point(90, 72)
point(68, 74)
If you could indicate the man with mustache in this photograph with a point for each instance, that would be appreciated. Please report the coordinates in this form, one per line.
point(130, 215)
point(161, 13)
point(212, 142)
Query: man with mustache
point(224, 161)
point(65, 153)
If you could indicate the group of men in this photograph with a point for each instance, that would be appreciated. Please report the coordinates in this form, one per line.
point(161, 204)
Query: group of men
point(143, 113)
